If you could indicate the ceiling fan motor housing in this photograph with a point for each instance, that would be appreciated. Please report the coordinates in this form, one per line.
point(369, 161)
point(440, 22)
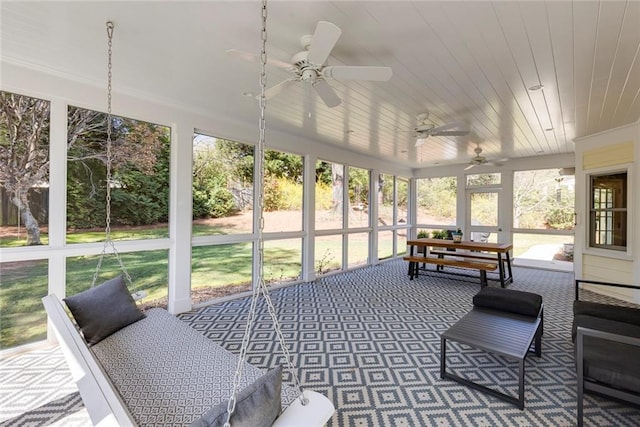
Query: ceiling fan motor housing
point(300, 59)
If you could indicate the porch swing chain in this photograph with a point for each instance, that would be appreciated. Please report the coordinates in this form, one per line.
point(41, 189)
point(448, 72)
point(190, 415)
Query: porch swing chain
point(107, 241)
point(261, 286)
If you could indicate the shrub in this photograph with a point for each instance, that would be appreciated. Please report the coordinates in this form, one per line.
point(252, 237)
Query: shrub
point(200, 199)
point(560, 218)
point(214, 202)
point(292, 194)
point(220, 203)
point(441, 234)
point(324, 196)
point(274, 198)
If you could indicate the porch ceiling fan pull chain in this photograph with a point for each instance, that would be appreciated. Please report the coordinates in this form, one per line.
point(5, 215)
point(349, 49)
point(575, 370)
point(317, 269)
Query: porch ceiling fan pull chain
point(108, 178)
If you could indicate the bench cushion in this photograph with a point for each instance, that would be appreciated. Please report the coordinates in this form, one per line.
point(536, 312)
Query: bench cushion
point(605, 317)
point(258, 405)
point(519, 302)
point(607, 311)
point(612, 363)
point(103, 310)
point(168, 373)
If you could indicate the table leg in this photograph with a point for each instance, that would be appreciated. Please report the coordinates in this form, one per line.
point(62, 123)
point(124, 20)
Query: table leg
point(508, 259)
point(501, 269)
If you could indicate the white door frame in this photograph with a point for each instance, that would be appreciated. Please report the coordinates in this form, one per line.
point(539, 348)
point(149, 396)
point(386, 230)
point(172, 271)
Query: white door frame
point(500, 229)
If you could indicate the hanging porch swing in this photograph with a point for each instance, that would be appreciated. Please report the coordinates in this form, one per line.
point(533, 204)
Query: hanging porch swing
point(311, 408)
point(130, 347)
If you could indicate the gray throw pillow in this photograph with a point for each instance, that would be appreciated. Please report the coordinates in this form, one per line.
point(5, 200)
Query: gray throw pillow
point(103, 310)
point(257, 405)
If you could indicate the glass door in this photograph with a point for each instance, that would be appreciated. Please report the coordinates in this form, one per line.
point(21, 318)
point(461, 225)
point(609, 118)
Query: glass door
point(483, 215)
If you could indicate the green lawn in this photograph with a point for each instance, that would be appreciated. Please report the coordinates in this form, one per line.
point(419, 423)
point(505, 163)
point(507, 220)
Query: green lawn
point(23, 284)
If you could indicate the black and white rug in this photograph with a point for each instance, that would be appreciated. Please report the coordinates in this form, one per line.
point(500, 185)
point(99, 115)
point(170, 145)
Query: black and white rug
point(370, 340)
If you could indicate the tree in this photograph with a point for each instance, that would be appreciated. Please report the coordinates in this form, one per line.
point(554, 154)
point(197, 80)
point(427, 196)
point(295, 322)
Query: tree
point(541, 200)
point(24, 153)
point(139, 170)
point(24, 157)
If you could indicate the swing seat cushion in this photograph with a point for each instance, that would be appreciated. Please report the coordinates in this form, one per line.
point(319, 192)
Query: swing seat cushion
point(258, 405)
point(103, 310)
point(169, 374)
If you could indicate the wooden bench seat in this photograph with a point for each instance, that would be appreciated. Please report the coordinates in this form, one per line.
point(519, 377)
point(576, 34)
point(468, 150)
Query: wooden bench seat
point(468, 254)
point(483, 267)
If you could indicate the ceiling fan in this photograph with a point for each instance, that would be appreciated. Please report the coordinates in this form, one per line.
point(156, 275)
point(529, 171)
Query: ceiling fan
point(424, 130)
point(310, 65)
point(479, 159)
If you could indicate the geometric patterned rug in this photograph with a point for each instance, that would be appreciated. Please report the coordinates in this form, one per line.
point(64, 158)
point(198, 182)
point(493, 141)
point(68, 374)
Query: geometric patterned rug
point(36, 389)
point(369, 339)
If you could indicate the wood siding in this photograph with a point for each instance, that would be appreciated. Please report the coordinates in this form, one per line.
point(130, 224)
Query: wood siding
point(610, 155)
point(609, 270)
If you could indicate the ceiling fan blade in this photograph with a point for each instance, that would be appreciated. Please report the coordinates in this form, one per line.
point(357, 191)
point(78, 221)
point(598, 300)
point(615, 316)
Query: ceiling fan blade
point(450, 133)
point(324, 39)
point(327, 93)
point(275, 90)
point(251, 57)
point(447, 126)
point(470, 166)
point(497, 162)
point(377, 74)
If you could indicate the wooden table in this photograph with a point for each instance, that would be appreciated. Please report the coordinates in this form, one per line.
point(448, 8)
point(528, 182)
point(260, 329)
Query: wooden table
point(498, 252)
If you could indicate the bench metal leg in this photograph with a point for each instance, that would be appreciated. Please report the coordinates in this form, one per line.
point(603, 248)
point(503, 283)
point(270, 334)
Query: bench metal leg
point(413, 270)
point(503, 396)
point(520, 400)
point(580, 378)
point(521, 383)
point(443, 356)
point(538, 339)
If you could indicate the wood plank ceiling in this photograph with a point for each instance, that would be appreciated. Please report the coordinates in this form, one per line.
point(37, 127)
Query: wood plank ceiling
point(461, 61)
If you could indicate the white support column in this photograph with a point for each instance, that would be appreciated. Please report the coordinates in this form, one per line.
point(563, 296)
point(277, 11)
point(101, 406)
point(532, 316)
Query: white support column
point(462, 219)
point(345, 216)
point(309, 219)
point(57, 266)
point(506, 208)
point(374, 179)
point(180, 218)
point(412, 211)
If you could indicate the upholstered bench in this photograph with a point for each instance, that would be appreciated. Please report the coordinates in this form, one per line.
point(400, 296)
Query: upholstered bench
point(503, 321)
point(607, 348)
point(134, 368)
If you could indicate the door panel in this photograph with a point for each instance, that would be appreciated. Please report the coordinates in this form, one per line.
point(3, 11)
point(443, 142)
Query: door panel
point(483, 215)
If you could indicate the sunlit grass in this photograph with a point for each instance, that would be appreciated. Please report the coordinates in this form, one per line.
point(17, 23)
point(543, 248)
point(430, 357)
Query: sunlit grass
point(22, 316)
point(523, 242)
point(23, 284)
